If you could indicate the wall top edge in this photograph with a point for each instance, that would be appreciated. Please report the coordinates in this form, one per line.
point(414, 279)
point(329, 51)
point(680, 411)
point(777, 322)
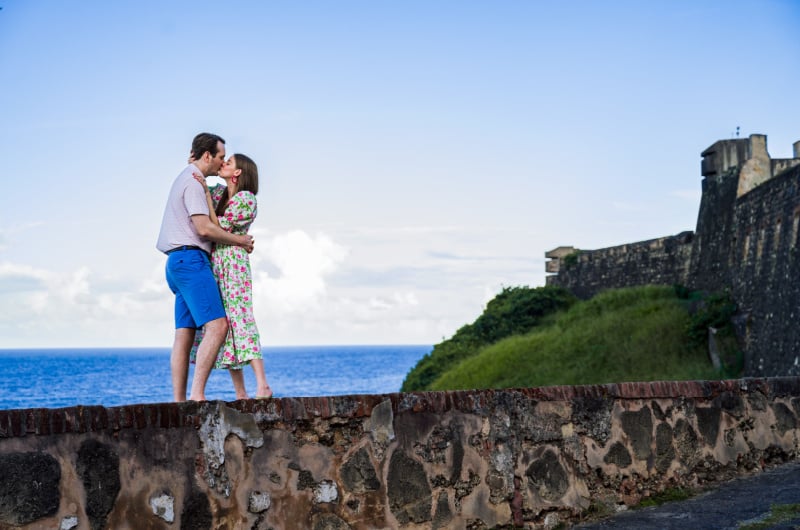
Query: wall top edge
point(96, 418)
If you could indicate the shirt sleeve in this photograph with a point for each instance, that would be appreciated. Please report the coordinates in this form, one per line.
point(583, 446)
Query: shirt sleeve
point(241, 210)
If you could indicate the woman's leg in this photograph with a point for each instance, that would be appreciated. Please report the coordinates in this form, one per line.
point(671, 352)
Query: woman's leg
point(263, 390)
point(237, 376)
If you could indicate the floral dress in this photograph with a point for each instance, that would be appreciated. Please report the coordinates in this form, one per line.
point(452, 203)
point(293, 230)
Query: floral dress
point(231, 265)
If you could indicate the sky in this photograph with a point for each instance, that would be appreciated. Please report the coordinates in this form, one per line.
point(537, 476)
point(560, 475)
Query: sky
point(415, 157)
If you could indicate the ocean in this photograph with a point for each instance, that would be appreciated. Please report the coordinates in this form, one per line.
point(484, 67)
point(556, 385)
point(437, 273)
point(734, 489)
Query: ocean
point(52, 378)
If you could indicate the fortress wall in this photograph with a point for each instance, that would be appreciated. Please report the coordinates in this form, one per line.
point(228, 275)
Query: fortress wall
point(780, 165)
point(658, 261)
point(471, 459)
point(745, 242)
point(764, 260)
point(711, 249)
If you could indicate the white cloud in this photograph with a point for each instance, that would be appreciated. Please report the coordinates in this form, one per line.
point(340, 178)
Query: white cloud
point(45, 307)
point(396, 300)
point(384, 286)
point(302, 262)
point(15, 277)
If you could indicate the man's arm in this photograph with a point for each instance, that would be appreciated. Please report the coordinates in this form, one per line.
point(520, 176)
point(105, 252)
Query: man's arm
point(208, 230)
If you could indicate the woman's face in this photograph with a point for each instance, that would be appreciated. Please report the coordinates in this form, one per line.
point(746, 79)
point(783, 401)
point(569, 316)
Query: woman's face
point(228, 169)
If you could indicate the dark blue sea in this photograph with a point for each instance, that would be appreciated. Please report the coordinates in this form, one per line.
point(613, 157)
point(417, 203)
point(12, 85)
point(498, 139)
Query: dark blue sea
point(54, 378)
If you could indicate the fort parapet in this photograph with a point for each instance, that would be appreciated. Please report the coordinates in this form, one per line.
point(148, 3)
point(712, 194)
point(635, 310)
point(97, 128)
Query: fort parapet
point(525, 458)
point(745, 243)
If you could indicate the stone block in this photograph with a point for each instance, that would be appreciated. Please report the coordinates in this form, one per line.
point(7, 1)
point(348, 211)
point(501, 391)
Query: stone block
point(29, 487)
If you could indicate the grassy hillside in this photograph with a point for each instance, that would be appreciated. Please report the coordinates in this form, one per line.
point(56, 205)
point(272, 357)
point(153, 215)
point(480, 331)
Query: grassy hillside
point(514, 311)
point(634, 334)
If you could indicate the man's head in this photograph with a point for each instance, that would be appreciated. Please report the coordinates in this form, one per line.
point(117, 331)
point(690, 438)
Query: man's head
point(208, 153)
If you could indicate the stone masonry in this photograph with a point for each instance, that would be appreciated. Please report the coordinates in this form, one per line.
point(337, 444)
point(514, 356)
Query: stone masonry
point(519, 458)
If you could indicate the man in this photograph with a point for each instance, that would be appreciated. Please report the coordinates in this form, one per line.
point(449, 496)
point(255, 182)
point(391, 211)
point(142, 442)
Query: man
point(187, 233)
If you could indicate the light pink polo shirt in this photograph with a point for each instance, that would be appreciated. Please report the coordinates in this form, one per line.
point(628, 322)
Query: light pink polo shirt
point(186, 198)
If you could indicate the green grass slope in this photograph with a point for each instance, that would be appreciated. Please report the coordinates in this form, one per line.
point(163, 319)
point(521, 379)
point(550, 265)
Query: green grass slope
point(633, 334)
point(515, 310)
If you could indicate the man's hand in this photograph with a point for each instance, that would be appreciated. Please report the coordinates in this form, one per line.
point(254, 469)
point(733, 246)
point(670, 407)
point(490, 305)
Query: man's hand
point(208, 230)
point(247, 243)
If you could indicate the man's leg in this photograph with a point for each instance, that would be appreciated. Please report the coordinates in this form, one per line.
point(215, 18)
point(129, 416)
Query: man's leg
point(179, 361)
point(214, 336)
point(184, 326)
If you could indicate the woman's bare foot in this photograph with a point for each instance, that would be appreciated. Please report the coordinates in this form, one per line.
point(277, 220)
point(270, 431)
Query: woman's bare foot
point(264, 392)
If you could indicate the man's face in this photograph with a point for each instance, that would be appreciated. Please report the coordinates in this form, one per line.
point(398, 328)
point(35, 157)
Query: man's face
point(216, 162)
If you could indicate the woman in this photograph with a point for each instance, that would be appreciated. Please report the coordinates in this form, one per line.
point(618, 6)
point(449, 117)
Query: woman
point(233, 207)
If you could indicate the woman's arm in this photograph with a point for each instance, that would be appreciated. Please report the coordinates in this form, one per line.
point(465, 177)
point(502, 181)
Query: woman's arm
point(212, 214)
point(241, 211)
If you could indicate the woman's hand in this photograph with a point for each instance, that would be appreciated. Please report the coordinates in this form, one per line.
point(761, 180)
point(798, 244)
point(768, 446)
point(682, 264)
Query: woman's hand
point(202, 180)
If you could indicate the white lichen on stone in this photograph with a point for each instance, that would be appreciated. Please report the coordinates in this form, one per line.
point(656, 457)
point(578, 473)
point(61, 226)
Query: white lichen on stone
point(502, 459)
point(219, 423)
point(325, 491)
point(380, 424)
point(164, 506)
point(259, 502)
point(551, 521)
point(69, 522)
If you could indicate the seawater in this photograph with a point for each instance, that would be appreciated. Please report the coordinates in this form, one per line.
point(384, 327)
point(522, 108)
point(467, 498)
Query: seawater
point(52, 378)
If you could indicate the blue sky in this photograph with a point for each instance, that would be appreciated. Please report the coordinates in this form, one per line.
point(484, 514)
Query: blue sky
point(415, 157)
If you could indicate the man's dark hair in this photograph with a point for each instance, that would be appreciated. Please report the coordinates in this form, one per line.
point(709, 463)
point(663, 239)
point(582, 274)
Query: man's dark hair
point(205, 142)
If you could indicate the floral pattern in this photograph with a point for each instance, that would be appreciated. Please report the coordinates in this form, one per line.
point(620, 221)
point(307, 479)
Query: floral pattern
point(231, 265)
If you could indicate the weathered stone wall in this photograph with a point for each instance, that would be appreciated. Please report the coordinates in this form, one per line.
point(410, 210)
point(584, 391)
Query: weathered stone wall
point(760, 265)
point(711, 250)
point(745, 242)
point(658, 261)
point(521, 458)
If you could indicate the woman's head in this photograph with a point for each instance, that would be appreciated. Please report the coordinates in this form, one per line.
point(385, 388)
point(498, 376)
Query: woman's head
point(248, 179)
point(242, 171)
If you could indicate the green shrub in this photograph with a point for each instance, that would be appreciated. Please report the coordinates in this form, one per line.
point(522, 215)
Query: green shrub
point(715, 310)
point(710, 311)
point(778, 514)
point(570, 260)
point(669, 495)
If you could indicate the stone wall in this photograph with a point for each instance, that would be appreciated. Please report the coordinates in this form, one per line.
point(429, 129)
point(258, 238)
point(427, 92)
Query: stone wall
point(760, 265)
point(658, 261)
point(525, 458)
point(745, 242)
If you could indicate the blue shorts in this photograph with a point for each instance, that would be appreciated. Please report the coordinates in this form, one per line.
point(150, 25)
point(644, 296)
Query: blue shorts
point(197, 297)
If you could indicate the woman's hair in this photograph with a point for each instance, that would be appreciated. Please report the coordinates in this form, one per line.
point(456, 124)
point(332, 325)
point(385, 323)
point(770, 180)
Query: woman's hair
point(248, 180)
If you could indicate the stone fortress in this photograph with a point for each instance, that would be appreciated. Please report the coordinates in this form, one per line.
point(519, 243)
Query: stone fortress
point(745, 243)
